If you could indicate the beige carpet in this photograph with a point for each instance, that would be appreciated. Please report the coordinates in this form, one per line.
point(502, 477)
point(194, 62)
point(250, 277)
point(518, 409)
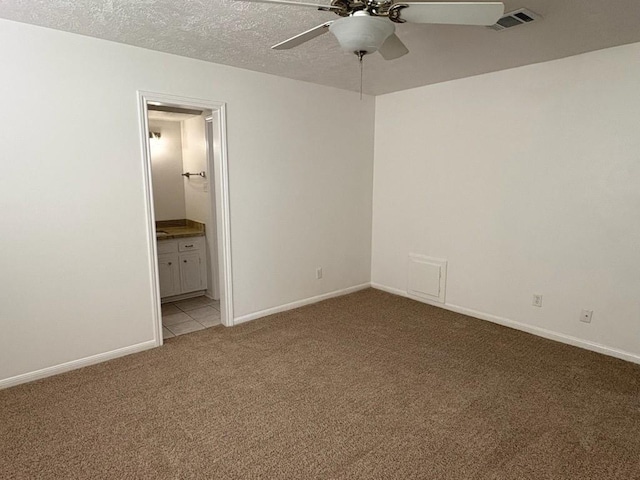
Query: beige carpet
point(367, 386)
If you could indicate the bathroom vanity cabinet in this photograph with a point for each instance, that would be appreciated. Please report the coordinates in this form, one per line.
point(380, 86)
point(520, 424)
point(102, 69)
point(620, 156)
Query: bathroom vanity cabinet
point(182, 265)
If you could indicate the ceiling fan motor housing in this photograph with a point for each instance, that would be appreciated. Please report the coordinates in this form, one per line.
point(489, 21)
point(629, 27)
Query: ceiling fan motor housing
point(361, 32)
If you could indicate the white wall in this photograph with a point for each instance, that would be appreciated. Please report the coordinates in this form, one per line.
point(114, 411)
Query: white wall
point(166, 169)
point(527, 181)
point(74, 260)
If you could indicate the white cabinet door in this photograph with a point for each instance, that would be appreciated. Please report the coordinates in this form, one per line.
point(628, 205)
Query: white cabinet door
point(182, 266)
point(169, 274)
point(190, 272)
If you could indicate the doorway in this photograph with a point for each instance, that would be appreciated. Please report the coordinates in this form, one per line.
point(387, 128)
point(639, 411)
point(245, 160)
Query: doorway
point(186, 184)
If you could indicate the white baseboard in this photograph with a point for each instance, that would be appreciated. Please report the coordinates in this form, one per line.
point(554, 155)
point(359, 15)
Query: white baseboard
point(74, 364)
point(299, 303)
point(395, 291)
point(183, 296)
point(102, 357)
point(121, 352)
point(541, 332)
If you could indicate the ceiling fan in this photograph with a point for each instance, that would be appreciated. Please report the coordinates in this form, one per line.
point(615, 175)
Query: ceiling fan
point(368, 26)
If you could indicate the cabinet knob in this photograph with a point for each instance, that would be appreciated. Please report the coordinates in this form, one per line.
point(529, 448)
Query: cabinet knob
point(169, 263)
point(184, 261)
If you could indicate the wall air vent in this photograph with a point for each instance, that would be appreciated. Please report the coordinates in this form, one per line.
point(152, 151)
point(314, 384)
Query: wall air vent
point(512, 19)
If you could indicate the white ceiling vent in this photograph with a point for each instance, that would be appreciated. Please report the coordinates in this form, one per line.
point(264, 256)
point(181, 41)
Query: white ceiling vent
point(517, 17)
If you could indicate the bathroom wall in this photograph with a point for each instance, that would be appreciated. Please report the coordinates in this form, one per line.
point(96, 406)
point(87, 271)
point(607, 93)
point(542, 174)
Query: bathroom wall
point(194, 160)
point(166, 168)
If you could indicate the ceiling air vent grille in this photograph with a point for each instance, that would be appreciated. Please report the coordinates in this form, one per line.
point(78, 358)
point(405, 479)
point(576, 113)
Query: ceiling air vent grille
point(512, 19)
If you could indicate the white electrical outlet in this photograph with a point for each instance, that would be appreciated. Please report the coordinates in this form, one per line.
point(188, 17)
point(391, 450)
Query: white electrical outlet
point(318, 273)
point(537, 300)
point(585, 316)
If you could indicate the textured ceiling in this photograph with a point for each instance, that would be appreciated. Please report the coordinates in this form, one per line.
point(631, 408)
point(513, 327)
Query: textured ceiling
point(240, 34)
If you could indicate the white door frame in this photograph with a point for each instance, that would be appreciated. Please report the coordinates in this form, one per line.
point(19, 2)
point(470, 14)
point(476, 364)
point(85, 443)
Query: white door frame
point(220, 168)
point(213, 150)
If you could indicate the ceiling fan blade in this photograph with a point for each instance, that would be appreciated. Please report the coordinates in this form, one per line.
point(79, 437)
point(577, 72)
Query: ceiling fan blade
point(303, 37)
point(324, 8)
point(393, 48)
point(458, 13)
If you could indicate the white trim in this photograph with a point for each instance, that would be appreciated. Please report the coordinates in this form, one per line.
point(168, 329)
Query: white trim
point(540, 332)
point(185, 296)
point(223, 223)
point(299, 303)
point(151, 220)
point(74, 364)
point(213, 287)
point(396, 291)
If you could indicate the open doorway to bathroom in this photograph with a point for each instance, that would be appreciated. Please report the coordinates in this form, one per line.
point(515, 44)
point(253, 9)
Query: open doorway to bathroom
point(186, 186)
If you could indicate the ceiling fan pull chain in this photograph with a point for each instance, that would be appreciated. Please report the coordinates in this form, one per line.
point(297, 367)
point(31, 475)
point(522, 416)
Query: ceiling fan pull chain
point(361, 55)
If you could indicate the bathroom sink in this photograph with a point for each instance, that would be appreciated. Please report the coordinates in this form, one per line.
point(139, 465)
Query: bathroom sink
point(160, 233)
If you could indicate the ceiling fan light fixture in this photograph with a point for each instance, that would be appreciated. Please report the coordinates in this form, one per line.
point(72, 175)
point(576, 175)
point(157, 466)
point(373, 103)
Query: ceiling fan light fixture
point(361, 32)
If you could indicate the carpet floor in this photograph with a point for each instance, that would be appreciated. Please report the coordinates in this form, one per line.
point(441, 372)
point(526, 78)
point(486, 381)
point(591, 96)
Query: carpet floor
point(365, 386)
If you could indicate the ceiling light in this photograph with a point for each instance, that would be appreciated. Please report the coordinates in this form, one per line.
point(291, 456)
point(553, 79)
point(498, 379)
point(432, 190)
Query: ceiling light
point(361, 33)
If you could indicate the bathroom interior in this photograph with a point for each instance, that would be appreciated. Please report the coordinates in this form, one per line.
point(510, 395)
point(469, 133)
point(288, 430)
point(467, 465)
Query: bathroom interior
point(181, 145)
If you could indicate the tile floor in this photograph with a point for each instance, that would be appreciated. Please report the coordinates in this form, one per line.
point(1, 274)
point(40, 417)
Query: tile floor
point(190, 315)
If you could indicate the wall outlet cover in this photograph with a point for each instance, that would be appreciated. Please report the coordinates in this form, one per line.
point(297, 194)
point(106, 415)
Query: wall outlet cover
point(537, 300)
point(585, 316)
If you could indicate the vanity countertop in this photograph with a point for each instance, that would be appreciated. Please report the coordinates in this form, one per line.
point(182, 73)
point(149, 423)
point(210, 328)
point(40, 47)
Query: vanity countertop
point(170, 229)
